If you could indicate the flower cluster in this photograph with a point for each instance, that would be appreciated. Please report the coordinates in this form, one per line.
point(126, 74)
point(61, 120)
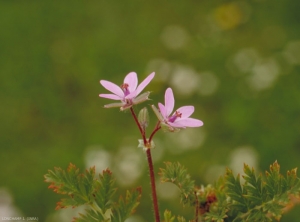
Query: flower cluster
point(128, 92)
point(128, 95)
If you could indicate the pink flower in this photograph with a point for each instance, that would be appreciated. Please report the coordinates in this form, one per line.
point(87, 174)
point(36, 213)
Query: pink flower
point(180, 118)
point(128, 92)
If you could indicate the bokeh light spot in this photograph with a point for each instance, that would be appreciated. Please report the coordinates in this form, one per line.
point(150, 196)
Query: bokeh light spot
point(98, 157)
point(242, 155)
point(174, 37)
point(292, 52)
point(167, 191)
point(231, 15)
point(161, 67)
point(245, 59)
point(7, 207)
point(185, 80)
point(264, 74)
point(214, 172)
point(129, 165)
point(209, 83)
point(187, 139)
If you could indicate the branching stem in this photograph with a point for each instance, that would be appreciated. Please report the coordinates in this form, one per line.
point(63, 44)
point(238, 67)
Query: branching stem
point(157, 127)
point(150, 163)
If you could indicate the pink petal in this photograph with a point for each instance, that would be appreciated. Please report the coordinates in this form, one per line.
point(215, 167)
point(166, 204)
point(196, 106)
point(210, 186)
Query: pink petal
point(112, 88)
point(111, 96)
point(169, 101)
point(186, 111)
point(143, 84)
point(176, 125)
point(188, 122)
point(162, 110)
point(132, 81)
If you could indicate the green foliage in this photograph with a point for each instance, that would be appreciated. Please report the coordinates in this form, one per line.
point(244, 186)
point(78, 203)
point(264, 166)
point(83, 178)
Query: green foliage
point(260, 198)
point(105, 190)
point(90, 216)
point(96, 193)
point(79, 187)
point(257, 198)
point(181, 219)
point(168, 217)
point(177, 174)
point(213, 202)
point(126, 207)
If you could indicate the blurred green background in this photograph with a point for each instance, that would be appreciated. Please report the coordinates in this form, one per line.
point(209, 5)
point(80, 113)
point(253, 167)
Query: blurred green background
point(237, 62)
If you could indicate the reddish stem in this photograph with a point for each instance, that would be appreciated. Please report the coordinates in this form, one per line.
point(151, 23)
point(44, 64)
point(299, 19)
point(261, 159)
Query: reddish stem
point(153, 187)
point(157, 127)
point(139, 125)
point(150, 163)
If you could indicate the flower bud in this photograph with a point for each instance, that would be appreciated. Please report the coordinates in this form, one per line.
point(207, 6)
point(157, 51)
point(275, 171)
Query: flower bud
point(144, 117)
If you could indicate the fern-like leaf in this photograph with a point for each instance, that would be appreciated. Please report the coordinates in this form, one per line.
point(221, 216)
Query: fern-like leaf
point(168, 217)
point(235, 191)
point(105, 190)
point(90, 216)
point(261, 199)
point(124, 208)
point(78, 186)
point(177, 174)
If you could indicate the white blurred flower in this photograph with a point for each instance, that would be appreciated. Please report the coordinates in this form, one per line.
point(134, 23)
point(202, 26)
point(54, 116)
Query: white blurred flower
point(7, 207)
point(264, 74)
point(129, 165)
point(292, 52)
point(184, 80)
point(97, 156)
point(209, 83)
point(175, 37)
point(243, 155)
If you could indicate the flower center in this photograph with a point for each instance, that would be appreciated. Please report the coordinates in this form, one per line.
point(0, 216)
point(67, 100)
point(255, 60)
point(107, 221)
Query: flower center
point(125, 86)
point(174, 117)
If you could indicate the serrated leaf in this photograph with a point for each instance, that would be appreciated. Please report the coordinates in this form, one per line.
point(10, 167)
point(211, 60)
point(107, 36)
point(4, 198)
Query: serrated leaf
point(181, 219)
point(177, 174)
point(253, 187)
point(265, 198)
point(274, 180)
point(213, 217)
point(124, 208)
point(78, 186)
point(291, 177)
point(89, 216)
point(105, 190)
point(274, 208)
point(235, 191)
point(168, 217)
point(216, 206)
